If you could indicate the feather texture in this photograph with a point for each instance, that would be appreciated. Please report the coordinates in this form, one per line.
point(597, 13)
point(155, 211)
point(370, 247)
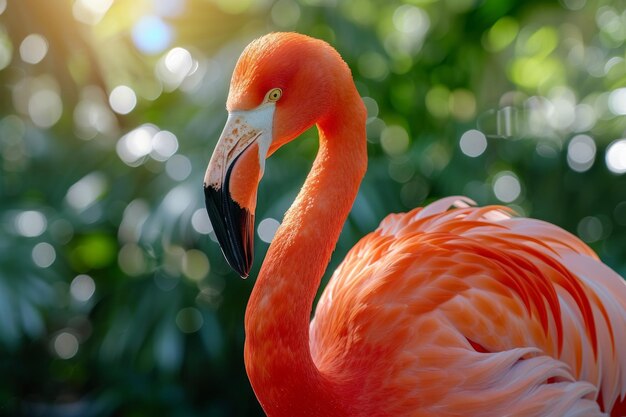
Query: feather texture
point(446, 285)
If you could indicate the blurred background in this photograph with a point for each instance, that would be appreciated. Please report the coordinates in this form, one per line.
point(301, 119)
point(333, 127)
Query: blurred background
point(114, 297)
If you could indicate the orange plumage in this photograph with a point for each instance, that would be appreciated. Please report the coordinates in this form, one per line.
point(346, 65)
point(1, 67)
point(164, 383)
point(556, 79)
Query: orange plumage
point(448, 310)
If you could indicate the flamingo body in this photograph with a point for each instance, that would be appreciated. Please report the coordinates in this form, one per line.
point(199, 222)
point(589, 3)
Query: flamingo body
point(470, 311)
point(448, 310)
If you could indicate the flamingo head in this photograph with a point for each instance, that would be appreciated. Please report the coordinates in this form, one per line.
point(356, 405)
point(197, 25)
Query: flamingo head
point(281, 86)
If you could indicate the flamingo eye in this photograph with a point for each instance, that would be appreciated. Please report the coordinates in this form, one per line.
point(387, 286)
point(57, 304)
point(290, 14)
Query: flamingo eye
point(274, 94)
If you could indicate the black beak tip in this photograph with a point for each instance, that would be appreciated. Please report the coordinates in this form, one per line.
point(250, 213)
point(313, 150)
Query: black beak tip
point(234, 228)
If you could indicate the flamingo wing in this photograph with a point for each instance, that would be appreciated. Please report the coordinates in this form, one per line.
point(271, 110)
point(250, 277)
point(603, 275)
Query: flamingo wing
point(471, 311)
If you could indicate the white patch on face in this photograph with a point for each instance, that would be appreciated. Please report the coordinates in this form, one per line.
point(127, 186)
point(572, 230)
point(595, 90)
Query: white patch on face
point(241, 129)
point(260, 119)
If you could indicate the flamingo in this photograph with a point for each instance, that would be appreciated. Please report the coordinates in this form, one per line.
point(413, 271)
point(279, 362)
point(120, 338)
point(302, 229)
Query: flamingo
point(447, 310)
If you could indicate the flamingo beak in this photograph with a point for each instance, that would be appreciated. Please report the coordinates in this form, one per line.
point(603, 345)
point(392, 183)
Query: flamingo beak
point(231, 182)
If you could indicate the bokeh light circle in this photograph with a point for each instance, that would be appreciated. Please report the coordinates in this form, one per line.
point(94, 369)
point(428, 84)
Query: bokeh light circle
point(65, 345)
point(31, 223)
point(43, 255)
point(581, 153)
point(82, 288)
point(473, 143)
point(33, 48)
point(122, 99)
point(267, 229)
point(616, 156)
point(507, 187)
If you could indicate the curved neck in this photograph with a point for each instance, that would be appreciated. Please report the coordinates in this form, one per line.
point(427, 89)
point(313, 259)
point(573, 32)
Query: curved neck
point(277, 355)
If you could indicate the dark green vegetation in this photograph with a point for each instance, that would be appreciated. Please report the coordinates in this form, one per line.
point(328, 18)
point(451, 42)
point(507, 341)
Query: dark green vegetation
point(114, 300)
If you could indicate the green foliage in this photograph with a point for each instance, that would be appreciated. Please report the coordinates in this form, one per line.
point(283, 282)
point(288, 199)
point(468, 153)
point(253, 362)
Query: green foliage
point(114, 298)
